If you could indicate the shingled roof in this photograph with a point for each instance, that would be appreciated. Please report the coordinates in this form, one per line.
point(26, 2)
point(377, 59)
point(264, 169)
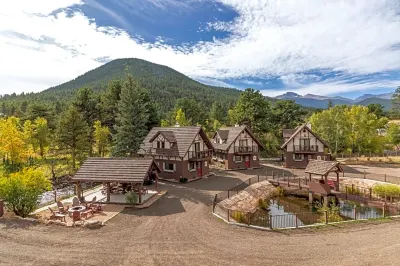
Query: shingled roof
point(168, 135)
point(183, 136)
point(320, 167)
point(300, 128)
point(230, 134)
point(287, 133)
point(123, 170)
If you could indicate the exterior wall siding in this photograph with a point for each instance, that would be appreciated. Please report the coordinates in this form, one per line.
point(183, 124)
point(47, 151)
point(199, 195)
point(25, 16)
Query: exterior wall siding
point(291, 163)
point(230, 164)
point(181, 169)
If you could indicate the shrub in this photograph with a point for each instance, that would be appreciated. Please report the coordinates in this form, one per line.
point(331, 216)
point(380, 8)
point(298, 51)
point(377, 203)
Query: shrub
point(387, 190)
point(21, 190)
point(131, 197)
point(280, 192)
point(183, 180)
point(333, 211)
point(239, 217)
point(262, 204)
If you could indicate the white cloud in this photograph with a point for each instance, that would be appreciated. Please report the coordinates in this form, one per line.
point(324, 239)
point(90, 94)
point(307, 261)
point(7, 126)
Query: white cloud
point(268, 39)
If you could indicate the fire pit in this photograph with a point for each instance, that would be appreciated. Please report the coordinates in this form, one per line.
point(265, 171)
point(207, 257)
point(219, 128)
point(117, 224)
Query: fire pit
point(76, 209)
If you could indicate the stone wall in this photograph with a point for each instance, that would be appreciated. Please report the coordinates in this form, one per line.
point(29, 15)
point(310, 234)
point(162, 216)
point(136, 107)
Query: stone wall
point(247, 200)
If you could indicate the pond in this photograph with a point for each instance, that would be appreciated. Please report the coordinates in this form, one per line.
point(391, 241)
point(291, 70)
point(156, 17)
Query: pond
point(292, 211)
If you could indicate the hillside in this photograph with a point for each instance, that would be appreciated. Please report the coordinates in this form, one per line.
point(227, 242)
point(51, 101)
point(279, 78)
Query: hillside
point(164, 83)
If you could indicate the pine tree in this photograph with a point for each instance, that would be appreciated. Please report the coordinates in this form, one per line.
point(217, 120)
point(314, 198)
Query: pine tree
point(72, 134)
point(85, 103)
point(132, 119)
point(109, 104)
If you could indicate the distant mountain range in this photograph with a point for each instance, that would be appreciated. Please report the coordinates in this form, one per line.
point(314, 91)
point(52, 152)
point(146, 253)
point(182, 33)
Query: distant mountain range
point(318, 101)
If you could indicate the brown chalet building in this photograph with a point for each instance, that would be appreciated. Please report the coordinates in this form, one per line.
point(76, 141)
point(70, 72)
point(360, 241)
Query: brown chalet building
point(179, 152)
point(302, 145)
point(236, 148)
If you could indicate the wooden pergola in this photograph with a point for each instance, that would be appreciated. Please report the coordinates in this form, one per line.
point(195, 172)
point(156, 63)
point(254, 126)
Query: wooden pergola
point(323, 169)
point(116, 170)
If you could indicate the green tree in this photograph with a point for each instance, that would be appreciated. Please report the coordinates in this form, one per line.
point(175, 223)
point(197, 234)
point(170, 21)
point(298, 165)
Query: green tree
point(132, 119)
point(21, 190)
point(181, 118)
point(393, 134)
point(85, 103)
point(72, 134)
point(41, 134)
point(101, 137)
point(287, 114)
point(109, 104)
point(377, 109)
point(396, 101)
point(252, 110)
point(194, 111)
point(218, 113)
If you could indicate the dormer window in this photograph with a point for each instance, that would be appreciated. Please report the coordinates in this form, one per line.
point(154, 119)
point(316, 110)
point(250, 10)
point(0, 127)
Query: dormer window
point(161, 144)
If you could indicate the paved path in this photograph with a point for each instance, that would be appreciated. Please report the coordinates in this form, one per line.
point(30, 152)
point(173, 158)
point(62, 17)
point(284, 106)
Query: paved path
point(180, 230)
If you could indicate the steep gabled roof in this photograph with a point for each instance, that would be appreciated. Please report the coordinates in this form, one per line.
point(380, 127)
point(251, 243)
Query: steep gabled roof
point(124, 170)
point(320, 167)
point(300, 128)
point(233, 133)
point(184, 137)
point(223, 134)
point(168, 135)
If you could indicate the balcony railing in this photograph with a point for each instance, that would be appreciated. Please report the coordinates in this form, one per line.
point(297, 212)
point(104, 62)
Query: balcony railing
point(200, 155)
point(246, 149)
point(309, 148)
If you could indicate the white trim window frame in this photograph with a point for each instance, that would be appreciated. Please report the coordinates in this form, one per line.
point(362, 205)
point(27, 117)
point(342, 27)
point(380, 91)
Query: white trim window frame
point(236, 159)
point(191, 166)
point(298, 159)
point(168, 169)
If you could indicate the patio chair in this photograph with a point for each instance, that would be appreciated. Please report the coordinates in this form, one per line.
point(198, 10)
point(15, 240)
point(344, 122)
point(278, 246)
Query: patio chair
point(56, 215)
point(61, 207)
point(76, 217)
point(91, 203)
point(75, 202)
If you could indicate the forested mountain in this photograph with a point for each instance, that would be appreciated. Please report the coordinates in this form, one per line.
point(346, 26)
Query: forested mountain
point(318, 101)
point(164, 84)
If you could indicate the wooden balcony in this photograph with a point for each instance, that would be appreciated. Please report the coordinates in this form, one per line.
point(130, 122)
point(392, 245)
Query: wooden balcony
point(200, 155)
point(306, 149)
point(246, 149)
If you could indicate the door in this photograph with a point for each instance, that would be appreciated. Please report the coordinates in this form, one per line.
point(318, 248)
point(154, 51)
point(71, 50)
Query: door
point(247, 161)
point(199, 169)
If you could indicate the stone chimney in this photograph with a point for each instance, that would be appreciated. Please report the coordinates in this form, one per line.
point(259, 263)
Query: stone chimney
point(309, 125)
point(177, 124)
point(237, 125)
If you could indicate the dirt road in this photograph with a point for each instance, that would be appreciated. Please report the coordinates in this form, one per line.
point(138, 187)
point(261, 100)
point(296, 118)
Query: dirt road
point(180, 230)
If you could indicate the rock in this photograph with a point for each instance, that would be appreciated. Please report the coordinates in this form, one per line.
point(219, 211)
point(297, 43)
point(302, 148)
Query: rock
point(48, 222)
point(93, 224)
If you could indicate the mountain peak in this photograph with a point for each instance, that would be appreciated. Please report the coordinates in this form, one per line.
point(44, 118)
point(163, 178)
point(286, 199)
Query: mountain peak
point(289, 94)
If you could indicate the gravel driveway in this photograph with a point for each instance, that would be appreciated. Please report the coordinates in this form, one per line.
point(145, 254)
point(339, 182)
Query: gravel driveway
point(180, 230)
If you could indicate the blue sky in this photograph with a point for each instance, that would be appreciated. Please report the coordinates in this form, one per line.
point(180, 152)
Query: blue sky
point(324, 47)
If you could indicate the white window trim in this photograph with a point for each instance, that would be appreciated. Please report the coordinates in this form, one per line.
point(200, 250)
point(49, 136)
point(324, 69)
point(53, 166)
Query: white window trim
point(169, 171)
point(192, 170)
point(241, 159)
point(298, 160)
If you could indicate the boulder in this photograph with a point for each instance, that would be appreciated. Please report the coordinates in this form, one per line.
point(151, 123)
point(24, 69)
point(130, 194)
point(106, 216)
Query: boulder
point(93, 224)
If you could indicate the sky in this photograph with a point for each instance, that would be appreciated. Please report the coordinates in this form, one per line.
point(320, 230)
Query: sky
point(326, 47)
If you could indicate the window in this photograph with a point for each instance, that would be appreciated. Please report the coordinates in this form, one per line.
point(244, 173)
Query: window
point(238, 158)
point(192, 167)
point(298, 157)
point(243, 143)
point(169, 167)
point(197, 146)
point(160, 144)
